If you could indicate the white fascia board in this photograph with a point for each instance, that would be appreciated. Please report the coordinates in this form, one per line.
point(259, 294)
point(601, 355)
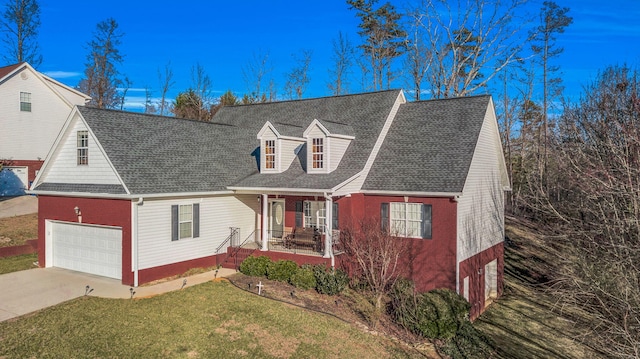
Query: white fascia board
point(267, 125)
point(293, 138)
point(56, 143)
point(128, 196)
point(412, 193)
point(346, 137)
point(315, 122)
point(261, 190)
point(71, 89)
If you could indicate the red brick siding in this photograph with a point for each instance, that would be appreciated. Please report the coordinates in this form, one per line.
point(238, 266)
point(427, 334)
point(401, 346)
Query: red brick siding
point(473, 267)
point(33, 166)
point(106, 212)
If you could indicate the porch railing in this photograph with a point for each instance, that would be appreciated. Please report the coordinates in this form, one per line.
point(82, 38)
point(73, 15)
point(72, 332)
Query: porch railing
point(233, 237)
point(298, 241)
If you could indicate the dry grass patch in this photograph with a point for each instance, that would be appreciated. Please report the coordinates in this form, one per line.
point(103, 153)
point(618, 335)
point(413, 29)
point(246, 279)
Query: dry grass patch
point(15, 231)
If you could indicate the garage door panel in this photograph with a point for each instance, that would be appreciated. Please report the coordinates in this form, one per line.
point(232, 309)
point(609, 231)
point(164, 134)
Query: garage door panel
point(90, 249)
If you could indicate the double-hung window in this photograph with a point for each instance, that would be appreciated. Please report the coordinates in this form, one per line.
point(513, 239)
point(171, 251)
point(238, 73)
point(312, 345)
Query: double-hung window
point(25, 101)
point(314, 215)
point(185, 221)
point(82, 148)
point(317, 153)
point(406, 219)
point(270, 154)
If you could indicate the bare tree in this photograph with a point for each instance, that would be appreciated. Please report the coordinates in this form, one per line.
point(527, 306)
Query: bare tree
point(343, 53)
point(418, 57)
point(166, 83)
point(149, 106)
point(471, 41)
point(375, 255)
point(298, 79)
point(256, 74)
point(598, 150)
point(101, 79)
point(126, 85)
point(196, 103)
point(20, 23)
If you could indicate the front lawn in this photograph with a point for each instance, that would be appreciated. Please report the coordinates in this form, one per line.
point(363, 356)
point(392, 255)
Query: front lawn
point(212, 320)
point(18, 263)
point(15, 231)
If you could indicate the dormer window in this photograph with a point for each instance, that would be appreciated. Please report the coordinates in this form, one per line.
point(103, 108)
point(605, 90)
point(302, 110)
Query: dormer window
point(270, 154)
point(317, 153)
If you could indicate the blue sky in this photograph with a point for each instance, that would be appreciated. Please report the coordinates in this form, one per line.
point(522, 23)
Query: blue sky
point(223, 36)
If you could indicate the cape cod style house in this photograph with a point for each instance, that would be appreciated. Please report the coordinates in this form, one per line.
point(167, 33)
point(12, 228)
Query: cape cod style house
point(139, 197)
point(34, 108)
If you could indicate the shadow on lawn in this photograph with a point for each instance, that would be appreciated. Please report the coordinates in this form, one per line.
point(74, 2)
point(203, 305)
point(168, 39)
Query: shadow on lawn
point(524, 323)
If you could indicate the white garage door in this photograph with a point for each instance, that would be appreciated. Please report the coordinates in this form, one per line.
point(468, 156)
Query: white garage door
point(89, 249)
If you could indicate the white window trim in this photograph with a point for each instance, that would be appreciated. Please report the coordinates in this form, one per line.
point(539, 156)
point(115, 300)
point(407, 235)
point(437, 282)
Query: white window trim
point(82, 148)
point(322, 161)
point(25, 98)
point(276, 156)
point(395, 228)
point(185, 221)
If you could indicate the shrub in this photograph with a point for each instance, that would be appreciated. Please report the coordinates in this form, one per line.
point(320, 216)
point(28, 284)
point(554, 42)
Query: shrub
point(281, 270)
point(330, 282)
point(469, 343)
point(440, 314)
point(437, 314)
point(255, 266)
point(404, 303)
point(303, 278)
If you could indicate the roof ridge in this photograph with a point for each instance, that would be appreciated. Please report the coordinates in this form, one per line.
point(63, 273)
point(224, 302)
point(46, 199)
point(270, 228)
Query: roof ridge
point(315, 98)
point(450, 98)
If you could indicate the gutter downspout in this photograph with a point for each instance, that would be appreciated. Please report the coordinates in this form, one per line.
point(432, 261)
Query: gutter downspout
point(134, 241)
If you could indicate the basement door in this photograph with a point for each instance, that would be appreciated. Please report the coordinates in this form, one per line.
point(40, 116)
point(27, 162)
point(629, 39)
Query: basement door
point(87, 248)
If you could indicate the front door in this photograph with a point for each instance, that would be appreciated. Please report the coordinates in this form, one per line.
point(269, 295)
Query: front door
point(277, 219)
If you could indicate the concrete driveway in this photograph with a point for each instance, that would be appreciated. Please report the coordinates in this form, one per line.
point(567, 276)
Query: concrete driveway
point(17, 206)
point(34, 289)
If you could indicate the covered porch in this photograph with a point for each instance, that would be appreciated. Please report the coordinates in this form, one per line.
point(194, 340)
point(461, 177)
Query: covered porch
point(292, 223)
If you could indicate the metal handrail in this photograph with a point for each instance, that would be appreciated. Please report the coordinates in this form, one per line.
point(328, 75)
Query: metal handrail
point(233, 234)
point(235, 251)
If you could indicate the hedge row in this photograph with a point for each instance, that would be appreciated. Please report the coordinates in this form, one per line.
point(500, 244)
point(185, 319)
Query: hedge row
point(324, 280)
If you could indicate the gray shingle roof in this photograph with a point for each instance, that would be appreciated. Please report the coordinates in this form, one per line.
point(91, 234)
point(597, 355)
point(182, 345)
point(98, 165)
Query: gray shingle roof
point(154, 154)
point(429, 146)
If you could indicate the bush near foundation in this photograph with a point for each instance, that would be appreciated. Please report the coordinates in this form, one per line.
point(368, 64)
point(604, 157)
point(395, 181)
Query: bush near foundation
point(255, 266)
point(281, 270)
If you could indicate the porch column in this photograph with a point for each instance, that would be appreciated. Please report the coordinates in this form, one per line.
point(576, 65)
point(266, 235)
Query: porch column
point(265, 217)
point(328, 226)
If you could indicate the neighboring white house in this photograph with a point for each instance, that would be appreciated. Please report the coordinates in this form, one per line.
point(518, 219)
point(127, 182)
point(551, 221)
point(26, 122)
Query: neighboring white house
point(33, 109)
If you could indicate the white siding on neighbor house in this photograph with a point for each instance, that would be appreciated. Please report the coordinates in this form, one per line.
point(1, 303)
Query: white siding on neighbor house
point(481, 207)
point(316, 132)
point(74, 97)
point(336, 148)
point(217, 214)
point(29, 135)
point(64, 166)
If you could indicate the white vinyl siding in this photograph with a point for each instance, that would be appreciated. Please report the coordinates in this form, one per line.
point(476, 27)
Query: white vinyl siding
point(481, 207)
point(65, 167)
point(336, 149)
point(217, 214)
point(288, 152)
point(32, 133)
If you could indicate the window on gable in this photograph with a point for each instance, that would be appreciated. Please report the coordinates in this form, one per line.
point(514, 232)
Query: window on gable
point(185, 221)
point(83, 147)
point(25, 101)
point(270, 154)
point(317, 153)
point(407, 219)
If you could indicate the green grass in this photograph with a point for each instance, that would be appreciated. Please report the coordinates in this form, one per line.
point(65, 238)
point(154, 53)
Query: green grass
point(17, 263)
point(211, 320)
point(15, 231)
